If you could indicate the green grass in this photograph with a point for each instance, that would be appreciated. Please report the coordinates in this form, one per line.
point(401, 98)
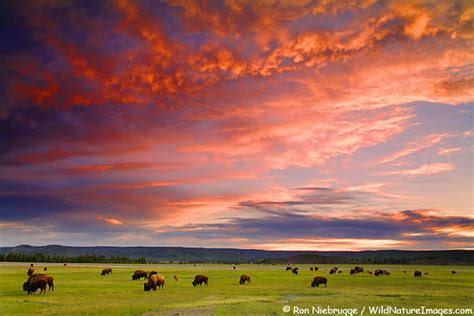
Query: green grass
point(81, 290)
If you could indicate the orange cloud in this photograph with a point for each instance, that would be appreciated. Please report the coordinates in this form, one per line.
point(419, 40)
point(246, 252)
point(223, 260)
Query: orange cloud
point(110, 221)
point(423, 170)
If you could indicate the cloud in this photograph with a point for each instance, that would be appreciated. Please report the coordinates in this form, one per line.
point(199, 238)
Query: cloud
point(423, 170)
point(110, 221)
point(448, 151)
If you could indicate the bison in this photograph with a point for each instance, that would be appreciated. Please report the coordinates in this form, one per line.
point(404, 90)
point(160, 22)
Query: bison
point(175, 277)
point(151, 273)
point(30, 271)
point(45, 269)
point(378, 272)
point(295, 270)
point(311, 269)
point(359, 269)
point(154, 281)
point(244, 279)
point(106, 271)
point(316, 268)
point(200, 279)
point(319, 280)
point(138, 274)
point(37, 283)
point(426, 273)
point(353, 271)
point(417, 274)
point(288, 268)
point(385, 272)
point(453, 272)
point(49, 281)
point(369, 272)
point(339, 272)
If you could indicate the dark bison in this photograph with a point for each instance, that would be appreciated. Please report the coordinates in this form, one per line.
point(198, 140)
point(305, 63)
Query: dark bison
point(244, 279)
point(453, 272)
point(175, 277)
point(417, 274)
point(106, 271)
point(319, 280)
point(294, 270)
point(332, 271)
point(49, 280)
point(353, 271)
point(339, 272)
point(378, 272)
point(369, 272)
point(30, 271)
point(234, 267)
point(37, 283)
point(151, 273)
point(385, 272)
point(65, 264)
point(288, 268)
point(200, 279)
point(405, 272)
point(138, 274)
point(359, 269)
point(316, 268)
point(45, 269)
point(311, 269)
point(426, 273)
point(154, 281)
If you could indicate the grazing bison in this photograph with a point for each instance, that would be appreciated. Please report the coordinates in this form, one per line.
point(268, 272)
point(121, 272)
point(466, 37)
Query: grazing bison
point(175, 277)
point(332, 271)
point(453, 272)
point(417, 274)
point(353, 271)
point(378, 272)
point(244, 278)
point(138, 274)
point(65, 265)
point(288, 268)
point(426, 273)
point(37, 283)
point(49, 281)
point(339, 272)
point(385, 272)
point(359, 269)
point(154, 281)
point(200, 279)
point(294, 270)
point(316, 268)
point(311, 269)
point(151, 273)
point(45, 269)
point(106, 271)
point(30, 271)
point(319, 280)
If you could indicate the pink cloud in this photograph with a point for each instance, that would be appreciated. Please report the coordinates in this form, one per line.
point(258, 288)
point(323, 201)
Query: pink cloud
point(110, 221)
point(423, 170)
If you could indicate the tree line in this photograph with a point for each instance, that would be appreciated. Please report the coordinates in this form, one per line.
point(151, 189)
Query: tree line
point(39, 257)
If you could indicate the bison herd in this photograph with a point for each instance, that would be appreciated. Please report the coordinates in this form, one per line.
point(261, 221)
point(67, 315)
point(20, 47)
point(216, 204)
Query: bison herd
point(155, 280)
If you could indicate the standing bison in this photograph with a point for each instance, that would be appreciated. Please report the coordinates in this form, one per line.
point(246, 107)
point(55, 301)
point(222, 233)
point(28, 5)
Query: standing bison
point(332, 271)
point(295, 270)
point(151, 273)
point(154, 281)
point(200, 279)
point(319, 280)
point(30, 271)
point(453, 272)
point(106, 271)
point(417, 274)
point(138, 274)
point(49, 281)
point(37, 283)
point(288, 268)
point(244, 279)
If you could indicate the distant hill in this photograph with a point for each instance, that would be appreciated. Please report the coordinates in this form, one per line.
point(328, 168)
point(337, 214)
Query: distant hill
point(224, 255)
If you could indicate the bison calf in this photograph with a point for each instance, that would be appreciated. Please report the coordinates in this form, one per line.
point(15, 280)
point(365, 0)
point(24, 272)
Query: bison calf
point(319, 280)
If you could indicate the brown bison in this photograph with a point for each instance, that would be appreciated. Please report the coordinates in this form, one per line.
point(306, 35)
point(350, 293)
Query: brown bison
point(353, 271)
point(154, 281)
point(426, 273)
point(30, 271)
point(288, 268)
point(378, 272)
point(244, 278)
point(385, 272)
point(175, 277)
point(49, 280)
point(319, 280)
point(295, 270)
point(45, 269)
point(316, 268)
point(65, 264)
point(417, 274)
point(405, 272)
point(106, 271)
point(339, 272)
point(200, 279)
point(369, 272)
point(138, 274)
point(359, 269)
point(152, 272)
point(453, 272)
point(332, 271)
point(37, 283)
point(311, 269)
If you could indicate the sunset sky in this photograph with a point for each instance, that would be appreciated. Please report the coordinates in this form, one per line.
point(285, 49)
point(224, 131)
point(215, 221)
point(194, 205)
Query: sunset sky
point(296, 125)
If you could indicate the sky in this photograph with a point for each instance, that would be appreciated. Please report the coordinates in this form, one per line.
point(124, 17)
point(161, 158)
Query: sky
point(277, 125)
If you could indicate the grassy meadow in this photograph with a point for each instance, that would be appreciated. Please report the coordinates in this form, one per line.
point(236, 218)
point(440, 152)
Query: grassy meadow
point(82, 290)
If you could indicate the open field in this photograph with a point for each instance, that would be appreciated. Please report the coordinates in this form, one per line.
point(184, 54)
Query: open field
point(79, 289)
